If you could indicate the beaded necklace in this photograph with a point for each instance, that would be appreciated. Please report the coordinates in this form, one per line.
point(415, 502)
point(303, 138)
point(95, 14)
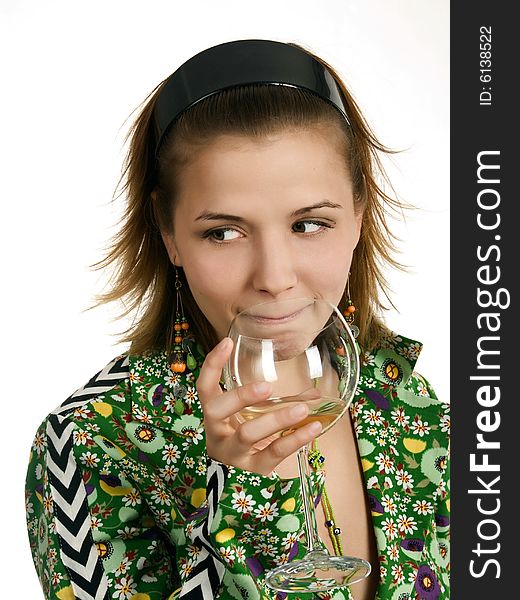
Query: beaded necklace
point(316, 460)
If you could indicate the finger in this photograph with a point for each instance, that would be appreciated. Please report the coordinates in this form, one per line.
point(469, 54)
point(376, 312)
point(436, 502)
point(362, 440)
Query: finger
point(271, 423)
point(209, 377)
point(268, 459)
point(235, 400)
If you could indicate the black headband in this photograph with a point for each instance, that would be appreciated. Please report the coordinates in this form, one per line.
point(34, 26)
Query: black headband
point(239, 63)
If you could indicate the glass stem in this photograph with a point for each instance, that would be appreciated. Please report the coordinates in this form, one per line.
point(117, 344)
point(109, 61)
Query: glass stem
point(314, 543)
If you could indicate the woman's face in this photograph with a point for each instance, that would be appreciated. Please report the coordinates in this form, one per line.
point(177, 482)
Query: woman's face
point(258, 220)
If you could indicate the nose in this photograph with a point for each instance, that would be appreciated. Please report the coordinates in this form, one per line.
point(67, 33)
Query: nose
point(275, 267)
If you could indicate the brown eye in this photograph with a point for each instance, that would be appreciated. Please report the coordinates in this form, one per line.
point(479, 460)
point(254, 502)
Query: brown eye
point(309, 226)
point(219, 235)
point(224, 234)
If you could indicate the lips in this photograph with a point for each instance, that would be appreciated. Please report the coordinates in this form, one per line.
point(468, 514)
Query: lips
point(277, 313)
point(268, 319)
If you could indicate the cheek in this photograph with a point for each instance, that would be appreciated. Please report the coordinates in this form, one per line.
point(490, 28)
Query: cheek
point(204, 276)
point(214, 286)
point(328, 268)
point(205, 270)
point(208, 292)
point(335, 276)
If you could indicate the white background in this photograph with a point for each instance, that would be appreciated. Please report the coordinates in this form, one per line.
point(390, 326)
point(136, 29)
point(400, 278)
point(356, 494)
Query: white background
point(71, 74)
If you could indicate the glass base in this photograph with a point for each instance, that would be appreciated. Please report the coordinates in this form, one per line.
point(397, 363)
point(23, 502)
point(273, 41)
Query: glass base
point(318, 572)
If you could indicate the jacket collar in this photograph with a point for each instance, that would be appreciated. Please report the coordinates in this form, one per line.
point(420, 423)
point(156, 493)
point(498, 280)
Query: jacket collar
point(393, 361)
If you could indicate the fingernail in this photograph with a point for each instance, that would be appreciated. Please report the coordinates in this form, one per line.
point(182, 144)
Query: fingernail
point(315, 427)
point(223, 344)
point(261, 387)
point(298, 411)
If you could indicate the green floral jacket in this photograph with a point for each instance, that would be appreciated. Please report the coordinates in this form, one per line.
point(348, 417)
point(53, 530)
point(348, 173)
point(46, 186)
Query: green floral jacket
point(123, 502)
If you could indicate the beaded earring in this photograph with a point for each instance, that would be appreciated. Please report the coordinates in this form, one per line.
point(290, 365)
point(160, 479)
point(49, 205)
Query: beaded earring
point(349, 312)
point(181, 356)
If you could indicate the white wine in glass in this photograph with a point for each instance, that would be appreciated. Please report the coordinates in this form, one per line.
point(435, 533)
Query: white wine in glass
point(304, 348)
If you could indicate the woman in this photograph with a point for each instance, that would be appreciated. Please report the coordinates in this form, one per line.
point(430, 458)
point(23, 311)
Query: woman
point(250, 176)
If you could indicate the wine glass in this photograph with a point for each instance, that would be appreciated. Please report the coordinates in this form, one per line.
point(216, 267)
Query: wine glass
point(306, 350)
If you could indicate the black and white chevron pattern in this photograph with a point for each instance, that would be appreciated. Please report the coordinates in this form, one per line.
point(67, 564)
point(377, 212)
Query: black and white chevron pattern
point(106, 379)
point(72, 518)
point(206, 576)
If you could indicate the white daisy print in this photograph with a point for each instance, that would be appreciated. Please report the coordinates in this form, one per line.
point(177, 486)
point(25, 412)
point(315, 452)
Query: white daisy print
point(242, 502)
point(419, 427)
point(385, 463)
point(267, 511)
point(423, 507)
point(406, 524)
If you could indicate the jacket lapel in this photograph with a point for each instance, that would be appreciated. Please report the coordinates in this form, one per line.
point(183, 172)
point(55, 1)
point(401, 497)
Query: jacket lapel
point(385, 372)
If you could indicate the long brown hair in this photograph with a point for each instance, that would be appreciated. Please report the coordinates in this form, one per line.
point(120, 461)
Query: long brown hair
point(143, 276)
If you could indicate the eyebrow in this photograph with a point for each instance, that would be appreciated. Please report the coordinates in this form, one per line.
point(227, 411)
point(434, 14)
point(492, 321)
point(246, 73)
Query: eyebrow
point(208, 215)
point(324, 204)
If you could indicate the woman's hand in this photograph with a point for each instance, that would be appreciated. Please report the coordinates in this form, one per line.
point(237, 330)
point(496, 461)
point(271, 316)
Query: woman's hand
point(240, 444)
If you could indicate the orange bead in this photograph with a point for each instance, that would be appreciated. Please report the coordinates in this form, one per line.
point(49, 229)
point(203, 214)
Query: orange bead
point(185, 326)
point(351, 309)
point(178, 367)
point(340, 351)
point(178, 339)
point(177, 327)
